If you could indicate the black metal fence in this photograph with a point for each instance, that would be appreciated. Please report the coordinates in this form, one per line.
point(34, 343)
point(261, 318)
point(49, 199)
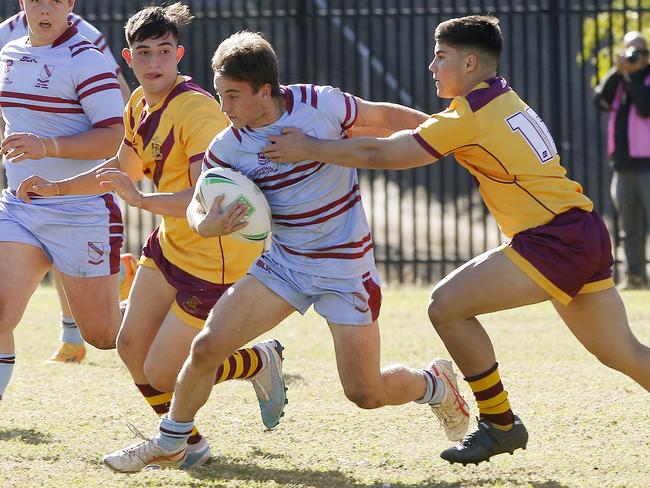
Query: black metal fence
point(428, 220)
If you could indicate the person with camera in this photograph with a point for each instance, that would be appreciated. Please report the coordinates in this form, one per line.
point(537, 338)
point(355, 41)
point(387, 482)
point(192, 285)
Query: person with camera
point(625, 93)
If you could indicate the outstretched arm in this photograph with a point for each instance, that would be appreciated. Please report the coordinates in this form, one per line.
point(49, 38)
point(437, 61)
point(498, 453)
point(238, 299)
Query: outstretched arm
point(399, 151)
point(85, 183)
point(168, 204)
point(389, 116)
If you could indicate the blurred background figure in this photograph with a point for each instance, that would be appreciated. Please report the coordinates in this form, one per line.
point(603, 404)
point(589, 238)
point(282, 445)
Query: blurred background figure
point(625, 93)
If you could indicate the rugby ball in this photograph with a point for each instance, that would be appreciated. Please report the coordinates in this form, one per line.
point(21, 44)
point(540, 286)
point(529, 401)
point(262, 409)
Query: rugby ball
point(237, 188)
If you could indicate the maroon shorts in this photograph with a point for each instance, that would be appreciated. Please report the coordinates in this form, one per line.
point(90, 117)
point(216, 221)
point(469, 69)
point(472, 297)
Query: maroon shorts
point(572, 254)
point(195, 297)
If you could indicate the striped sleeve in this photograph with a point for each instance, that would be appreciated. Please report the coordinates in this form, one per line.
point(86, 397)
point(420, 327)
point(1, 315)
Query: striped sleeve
point(97, 88)
point(94, 35)
point(338, 106)
point(8, 30)
point(215, 155)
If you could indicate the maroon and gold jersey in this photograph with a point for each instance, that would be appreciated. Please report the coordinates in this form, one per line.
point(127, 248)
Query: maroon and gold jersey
point(508, 149)
point(168, 138)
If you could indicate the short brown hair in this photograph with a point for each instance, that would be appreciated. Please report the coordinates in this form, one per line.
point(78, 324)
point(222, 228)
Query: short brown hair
point(480, 32)
point(155, 22)
point(247, 56)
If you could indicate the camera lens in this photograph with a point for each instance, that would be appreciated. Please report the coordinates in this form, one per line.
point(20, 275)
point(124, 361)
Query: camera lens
point(632, 55)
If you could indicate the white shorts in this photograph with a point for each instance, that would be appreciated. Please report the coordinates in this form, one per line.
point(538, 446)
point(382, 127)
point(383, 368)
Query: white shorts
point(345, 301)
point(81, 236)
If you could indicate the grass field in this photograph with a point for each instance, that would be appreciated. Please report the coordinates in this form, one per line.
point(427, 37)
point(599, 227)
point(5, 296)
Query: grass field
point(589, 426)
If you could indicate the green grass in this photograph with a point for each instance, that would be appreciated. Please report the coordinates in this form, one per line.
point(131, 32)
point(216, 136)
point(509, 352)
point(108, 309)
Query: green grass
point(589, 425)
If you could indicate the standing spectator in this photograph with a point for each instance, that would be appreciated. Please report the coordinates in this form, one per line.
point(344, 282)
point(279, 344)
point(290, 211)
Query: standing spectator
point(625, 93)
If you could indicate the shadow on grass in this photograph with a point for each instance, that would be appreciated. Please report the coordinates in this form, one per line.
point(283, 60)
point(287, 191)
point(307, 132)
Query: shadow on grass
point(28, 436)
point(293, 379)
point(220, 468)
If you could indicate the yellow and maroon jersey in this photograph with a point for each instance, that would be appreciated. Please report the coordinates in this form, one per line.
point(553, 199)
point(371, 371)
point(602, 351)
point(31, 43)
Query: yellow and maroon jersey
point(508, 149)
point(168, 138)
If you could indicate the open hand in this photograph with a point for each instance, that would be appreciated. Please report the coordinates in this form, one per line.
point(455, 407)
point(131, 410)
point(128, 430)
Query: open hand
point(292, 146)
point(112, 179)
point(23, 145)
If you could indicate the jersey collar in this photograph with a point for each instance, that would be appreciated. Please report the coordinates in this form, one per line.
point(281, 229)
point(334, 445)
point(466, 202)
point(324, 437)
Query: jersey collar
point(486, 91)
point(66, 36)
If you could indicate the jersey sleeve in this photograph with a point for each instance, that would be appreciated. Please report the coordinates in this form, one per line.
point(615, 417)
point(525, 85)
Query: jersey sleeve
point(7, 30)
point(95, 36)
point(97, 88)
point(129, 117)
point(337, 106)
point(197, 131)
point(219, 151)
point(447, 131)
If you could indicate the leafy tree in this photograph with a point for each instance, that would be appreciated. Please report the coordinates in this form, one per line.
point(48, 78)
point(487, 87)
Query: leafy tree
point(603, 34)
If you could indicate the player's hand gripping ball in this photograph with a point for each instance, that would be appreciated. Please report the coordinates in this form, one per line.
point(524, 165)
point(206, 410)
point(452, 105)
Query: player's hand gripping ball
point(237, 188)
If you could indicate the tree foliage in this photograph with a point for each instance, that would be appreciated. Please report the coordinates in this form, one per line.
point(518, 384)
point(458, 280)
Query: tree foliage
point(603, 34)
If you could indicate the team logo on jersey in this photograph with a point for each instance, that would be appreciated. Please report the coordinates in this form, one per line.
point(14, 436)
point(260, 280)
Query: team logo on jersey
point(156, 150)
point(27, 59)
point(45, 76)
point(262, 159)
point(95, 252)
point(4, 77)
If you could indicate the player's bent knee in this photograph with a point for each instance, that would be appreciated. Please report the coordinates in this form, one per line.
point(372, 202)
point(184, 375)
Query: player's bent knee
point(364, 398)
point(9, 317)
point(438, 310)
point(619, 360)
point(101, 339)
point(205, 352)
point(160, 382)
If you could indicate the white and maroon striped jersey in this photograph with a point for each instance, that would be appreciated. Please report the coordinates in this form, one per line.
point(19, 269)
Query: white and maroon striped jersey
point(15, 27)
point(61, 89)
point(319, 225)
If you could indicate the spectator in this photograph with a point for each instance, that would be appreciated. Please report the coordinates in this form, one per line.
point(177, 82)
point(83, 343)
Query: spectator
point(625, 93)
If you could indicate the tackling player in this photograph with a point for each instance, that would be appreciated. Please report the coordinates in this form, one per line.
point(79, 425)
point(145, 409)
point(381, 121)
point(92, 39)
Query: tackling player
point(61, 106)
point(321, 254)
point(71, 348)
point(558, 247)
point(169, 122)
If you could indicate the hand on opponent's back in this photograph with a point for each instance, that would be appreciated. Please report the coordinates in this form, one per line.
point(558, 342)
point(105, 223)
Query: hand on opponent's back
point(37, 186)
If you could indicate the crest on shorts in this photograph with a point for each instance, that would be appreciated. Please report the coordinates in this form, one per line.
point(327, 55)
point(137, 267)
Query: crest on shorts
point(191, 304)
point(360, 302)
point(45, 76)
point(95, 252)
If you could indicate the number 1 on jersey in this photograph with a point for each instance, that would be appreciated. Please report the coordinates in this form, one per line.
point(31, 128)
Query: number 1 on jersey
point(534, 130)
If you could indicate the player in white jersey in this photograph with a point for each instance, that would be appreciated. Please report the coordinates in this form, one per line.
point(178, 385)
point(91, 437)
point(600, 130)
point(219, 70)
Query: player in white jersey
point(321, 252)
point(71, 348)
point(15, 27)
point(62, 109)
